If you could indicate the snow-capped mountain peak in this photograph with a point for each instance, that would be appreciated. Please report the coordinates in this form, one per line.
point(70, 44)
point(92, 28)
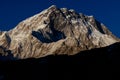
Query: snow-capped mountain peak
point(56, 31)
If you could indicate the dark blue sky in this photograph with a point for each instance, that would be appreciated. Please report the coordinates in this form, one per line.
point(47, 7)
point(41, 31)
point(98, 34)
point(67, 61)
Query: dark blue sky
point(105, 11)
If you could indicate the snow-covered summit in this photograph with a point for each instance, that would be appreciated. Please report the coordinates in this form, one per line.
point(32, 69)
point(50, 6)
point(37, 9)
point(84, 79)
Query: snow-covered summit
point(56, 31)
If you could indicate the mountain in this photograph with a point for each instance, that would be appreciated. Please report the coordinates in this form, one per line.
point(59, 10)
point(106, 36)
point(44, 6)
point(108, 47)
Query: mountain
point(97, 63)
point(54, 31)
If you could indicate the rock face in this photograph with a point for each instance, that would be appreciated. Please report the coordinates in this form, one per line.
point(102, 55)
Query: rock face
point(55, 31)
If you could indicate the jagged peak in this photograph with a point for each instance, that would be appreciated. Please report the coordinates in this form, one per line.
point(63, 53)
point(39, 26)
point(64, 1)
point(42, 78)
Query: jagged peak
point(72, 10)
point(63, 9)
point(91, 16)
point(53, 7)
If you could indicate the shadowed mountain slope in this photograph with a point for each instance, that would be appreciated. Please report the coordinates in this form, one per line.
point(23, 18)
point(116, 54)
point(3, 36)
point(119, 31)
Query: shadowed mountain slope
point(99, 63)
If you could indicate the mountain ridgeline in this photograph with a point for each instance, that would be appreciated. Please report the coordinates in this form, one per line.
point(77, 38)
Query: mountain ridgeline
point(54, 31)
point(59, 44)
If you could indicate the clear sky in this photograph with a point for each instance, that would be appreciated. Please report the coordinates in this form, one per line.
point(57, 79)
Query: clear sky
point(105, 11)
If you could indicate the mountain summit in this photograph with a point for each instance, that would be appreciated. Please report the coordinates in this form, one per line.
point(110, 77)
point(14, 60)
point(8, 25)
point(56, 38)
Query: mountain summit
point(54, 31)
